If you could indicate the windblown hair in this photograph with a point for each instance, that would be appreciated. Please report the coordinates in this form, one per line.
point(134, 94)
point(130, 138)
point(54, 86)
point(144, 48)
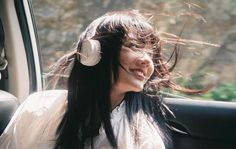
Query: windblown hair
point(89, 103)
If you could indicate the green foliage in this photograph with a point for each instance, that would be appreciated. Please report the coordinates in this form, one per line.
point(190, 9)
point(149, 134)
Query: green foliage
point(224, 92)
point(194, 83)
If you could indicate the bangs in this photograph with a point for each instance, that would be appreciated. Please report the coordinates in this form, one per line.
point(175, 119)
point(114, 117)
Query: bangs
point(141, 39)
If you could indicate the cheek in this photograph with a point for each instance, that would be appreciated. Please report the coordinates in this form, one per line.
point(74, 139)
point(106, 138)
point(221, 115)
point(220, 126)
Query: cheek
point(126, 58)
point(150, 70)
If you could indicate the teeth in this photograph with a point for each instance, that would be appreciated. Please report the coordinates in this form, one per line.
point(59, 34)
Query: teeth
point(138, 72)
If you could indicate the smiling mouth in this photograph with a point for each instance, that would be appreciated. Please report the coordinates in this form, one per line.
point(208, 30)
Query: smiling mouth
point(139, 74)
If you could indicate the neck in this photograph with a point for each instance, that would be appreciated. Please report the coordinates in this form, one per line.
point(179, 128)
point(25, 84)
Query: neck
point(116, 97)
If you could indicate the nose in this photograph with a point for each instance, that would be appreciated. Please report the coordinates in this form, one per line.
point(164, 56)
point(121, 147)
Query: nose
point(143, 61)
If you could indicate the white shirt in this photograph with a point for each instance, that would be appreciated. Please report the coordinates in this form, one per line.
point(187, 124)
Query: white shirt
point(34, 124)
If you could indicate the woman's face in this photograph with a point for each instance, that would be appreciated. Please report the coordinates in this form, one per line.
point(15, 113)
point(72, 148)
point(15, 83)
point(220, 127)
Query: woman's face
point(136, 68)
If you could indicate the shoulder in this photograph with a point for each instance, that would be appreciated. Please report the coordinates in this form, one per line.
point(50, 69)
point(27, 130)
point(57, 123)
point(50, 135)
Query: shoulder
point(38, 108)
point(44, 99)
point(47, 94)
point(37, 117)
point(41, 103)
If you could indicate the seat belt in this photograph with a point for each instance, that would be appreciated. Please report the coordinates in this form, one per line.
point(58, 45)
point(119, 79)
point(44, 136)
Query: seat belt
point(3, 61)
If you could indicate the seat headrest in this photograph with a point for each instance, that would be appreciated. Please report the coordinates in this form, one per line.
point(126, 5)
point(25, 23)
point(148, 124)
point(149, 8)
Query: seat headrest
point(5, 96)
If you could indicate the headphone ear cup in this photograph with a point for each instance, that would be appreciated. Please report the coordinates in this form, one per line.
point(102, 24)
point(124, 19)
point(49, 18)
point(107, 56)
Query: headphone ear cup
point(90, 53)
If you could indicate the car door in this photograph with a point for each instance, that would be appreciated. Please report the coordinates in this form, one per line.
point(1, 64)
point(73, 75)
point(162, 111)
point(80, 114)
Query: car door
point(202, 124)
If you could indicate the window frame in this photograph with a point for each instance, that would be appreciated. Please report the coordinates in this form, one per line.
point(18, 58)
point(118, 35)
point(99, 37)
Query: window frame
point(31, 43)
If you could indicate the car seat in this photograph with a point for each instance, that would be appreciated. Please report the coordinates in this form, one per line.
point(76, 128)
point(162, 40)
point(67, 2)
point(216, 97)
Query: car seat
point(8, 105)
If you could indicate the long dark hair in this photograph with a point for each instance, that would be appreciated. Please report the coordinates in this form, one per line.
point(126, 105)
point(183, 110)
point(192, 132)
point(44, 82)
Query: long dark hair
point(89, 103)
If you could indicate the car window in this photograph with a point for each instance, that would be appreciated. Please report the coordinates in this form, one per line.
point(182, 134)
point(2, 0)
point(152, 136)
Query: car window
point(205, 31)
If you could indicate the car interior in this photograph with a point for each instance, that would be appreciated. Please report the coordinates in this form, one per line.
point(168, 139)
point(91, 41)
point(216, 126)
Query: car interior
point(8, 102)
point(202, 124)
point(195, 124)
point(14, 71)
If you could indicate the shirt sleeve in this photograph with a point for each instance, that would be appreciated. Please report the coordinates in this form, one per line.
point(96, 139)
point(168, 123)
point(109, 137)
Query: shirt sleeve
point(35, 121)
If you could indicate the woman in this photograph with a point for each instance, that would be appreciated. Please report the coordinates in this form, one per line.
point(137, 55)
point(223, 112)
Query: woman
point(111, 100)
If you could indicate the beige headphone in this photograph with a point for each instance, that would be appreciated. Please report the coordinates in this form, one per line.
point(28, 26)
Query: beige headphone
point(90, 53)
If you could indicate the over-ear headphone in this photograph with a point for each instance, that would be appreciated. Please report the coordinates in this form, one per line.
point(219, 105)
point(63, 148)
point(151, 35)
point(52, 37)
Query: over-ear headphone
point(90, 53)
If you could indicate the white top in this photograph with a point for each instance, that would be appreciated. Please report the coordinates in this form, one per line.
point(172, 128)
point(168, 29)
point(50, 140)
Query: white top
point(34, 124)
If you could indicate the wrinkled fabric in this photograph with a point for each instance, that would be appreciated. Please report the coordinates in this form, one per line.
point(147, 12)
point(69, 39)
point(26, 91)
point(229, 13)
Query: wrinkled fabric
point(34, 124)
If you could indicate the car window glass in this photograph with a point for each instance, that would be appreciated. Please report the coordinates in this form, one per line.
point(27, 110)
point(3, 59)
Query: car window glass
point(205, 31)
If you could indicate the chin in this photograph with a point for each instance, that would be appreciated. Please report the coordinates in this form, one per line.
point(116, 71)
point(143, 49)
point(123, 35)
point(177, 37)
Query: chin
point(137, 89)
